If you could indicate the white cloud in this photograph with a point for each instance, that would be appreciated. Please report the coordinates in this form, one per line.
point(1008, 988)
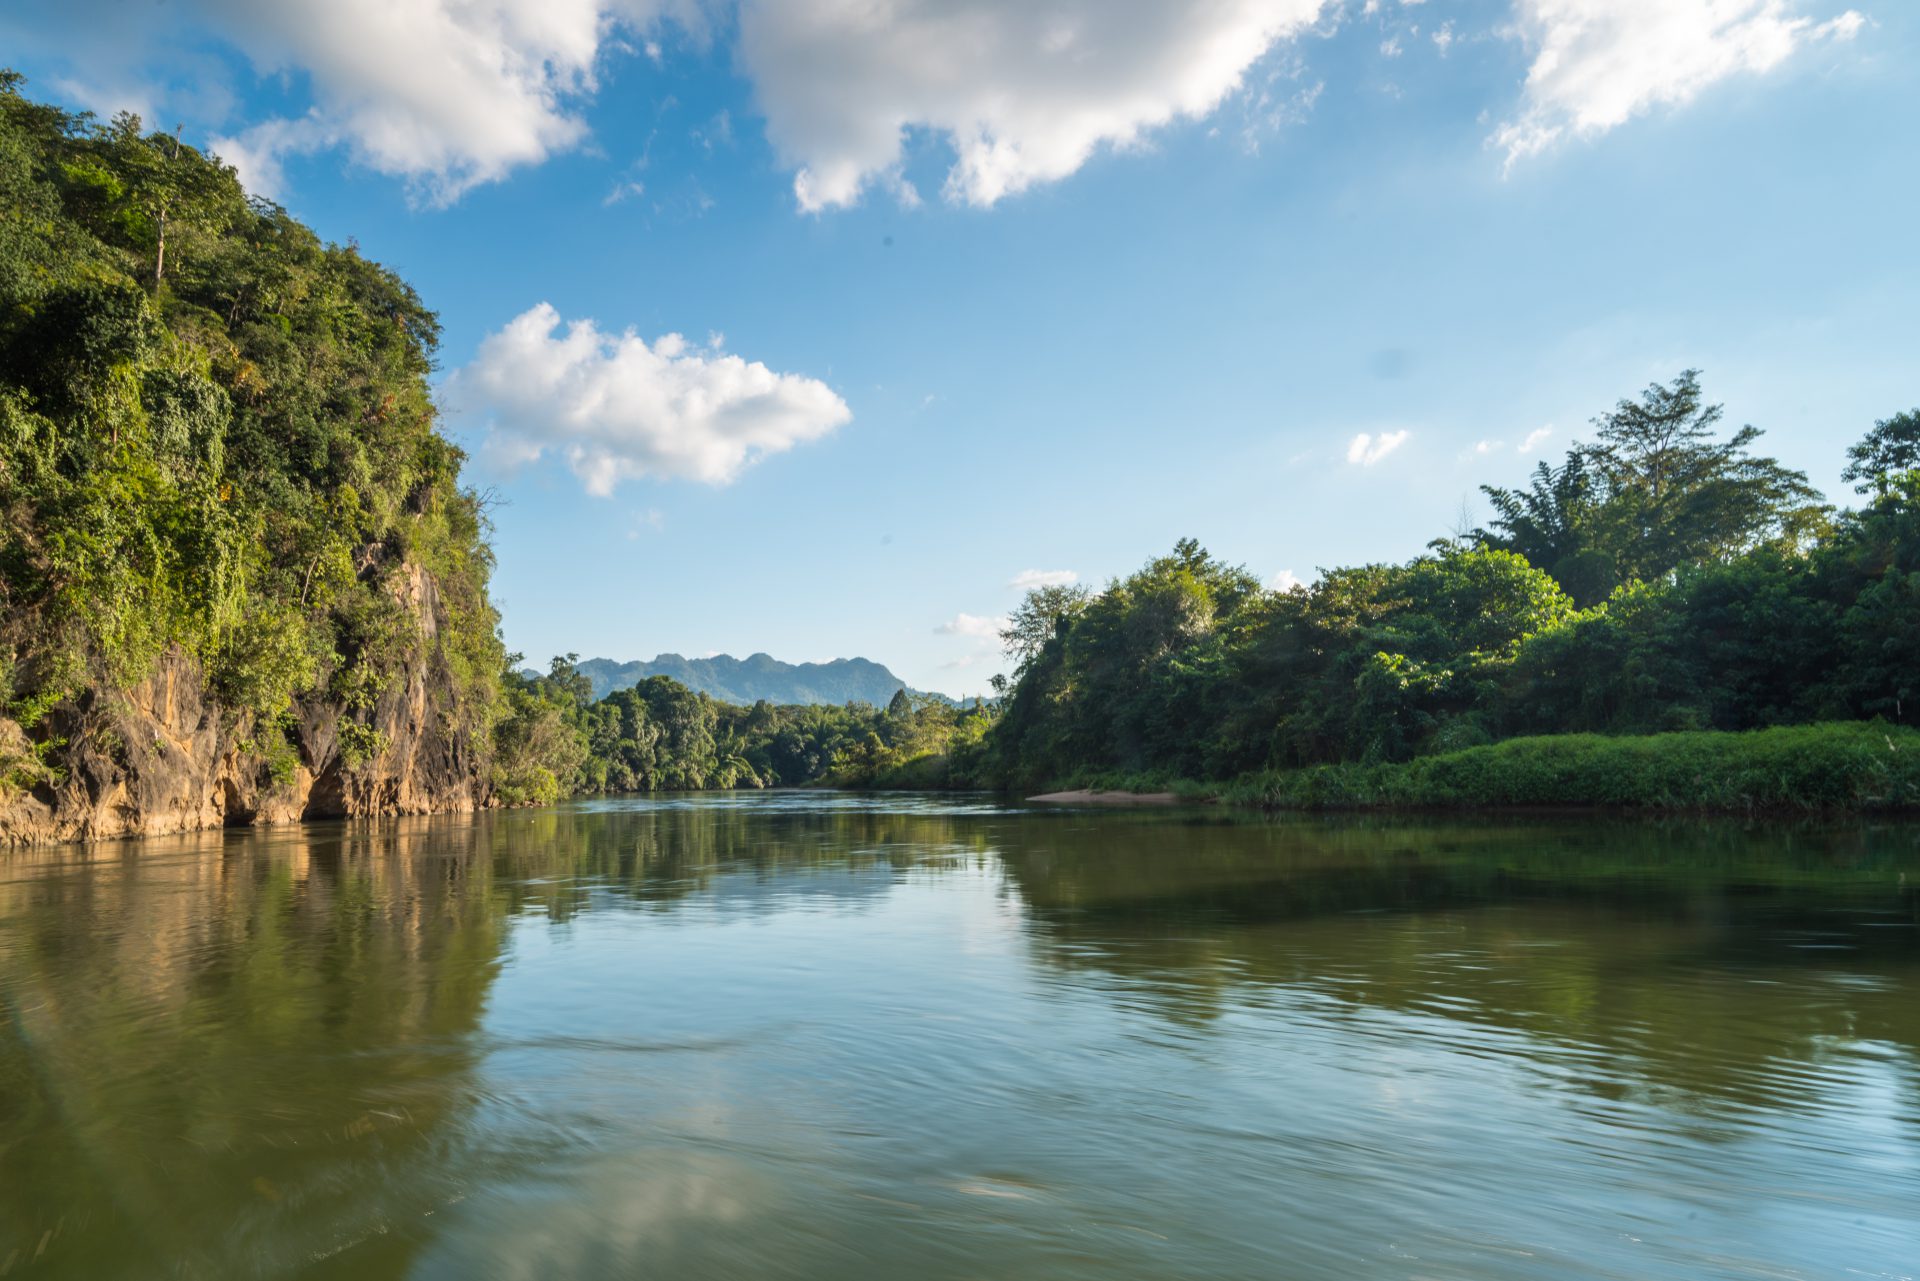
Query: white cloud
point(447, 93)
point(1599, 63)
point(973, 625)
point(1024, 93)
point(1367, 449)
point(623, 190)
point(1028, 579)
point(652, 518)
point(616, 408)
point(1486, 446)
point(1534, 439)
point(1286, 581)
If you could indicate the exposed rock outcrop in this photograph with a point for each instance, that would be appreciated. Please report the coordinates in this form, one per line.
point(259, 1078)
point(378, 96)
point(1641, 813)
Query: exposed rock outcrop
point(161, 757)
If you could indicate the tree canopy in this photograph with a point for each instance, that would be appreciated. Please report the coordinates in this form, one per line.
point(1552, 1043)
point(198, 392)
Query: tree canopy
point(1664, 576)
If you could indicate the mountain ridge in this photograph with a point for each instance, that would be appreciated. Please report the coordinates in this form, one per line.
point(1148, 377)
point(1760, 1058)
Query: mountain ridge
point(755, 677)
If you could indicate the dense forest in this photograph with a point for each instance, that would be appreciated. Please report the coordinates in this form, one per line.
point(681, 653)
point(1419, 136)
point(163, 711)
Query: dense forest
point(659, 735)
point(1663, 577)
point(216, 441)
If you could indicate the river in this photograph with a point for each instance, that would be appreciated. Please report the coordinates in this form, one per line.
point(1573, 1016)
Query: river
point(818, 1035)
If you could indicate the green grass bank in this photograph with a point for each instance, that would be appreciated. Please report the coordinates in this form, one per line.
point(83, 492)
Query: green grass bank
point(1842, 766)
point(1830, 767)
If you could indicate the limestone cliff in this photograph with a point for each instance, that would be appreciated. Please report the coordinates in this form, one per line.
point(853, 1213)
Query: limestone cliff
point(162, 757)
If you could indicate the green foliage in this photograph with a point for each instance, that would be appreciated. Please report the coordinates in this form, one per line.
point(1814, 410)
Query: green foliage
point(216, 436)
point(360, 743)
point(1662, 580)
point(1658, 489)
point(1850, 766)
point(1889, 450)
point(661, 736)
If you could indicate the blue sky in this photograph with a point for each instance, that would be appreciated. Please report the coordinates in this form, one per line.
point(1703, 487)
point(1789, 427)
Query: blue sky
point(975, 289)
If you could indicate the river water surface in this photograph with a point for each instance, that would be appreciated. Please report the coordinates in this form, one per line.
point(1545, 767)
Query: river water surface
point(826, 1036)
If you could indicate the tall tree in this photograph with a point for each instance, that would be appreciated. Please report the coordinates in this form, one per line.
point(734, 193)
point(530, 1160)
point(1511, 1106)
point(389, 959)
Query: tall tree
point(1038, 617)
point(1660, 487)
point(1891, 448)
point(1679, 493)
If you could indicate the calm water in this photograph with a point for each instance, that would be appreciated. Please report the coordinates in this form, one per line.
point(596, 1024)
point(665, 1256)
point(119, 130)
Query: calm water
point(803, 1035)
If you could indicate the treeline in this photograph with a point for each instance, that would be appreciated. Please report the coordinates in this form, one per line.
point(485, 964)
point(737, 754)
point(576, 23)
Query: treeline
point(1662, 577)
point(216, 434)
point(555, 741)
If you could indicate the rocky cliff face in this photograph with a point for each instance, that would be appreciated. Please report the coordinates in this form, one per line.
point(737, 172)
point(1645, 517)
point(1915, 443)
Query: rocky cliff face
point(160, 757)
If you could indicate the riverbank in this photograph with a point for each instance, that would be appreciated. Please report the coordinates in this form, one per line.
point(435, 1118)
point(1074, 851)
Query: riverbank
point(1096, 796)
point(1836, 767)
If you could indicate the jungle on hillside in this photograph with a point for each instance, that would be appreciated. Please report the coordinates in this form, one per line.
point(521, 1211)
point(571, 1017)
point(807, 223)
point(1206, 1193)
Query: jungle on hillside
point(217, 440)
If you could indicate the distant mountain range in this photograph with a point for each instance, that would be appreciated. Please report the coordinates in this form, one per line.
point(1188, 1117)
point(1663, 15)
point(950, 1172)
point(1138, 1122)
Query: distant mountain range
point(758, 676)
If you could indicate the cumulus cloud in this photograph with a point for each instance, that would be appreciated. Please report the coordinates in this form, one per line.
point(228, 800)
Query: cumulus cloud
point(617, 408)
point(1028, 579)
point(973, 625)
point(1599, 63)
point(1535, 439)
point(1366, 449)
point(1024, 93)
point(1286, 581)
point(448, 93)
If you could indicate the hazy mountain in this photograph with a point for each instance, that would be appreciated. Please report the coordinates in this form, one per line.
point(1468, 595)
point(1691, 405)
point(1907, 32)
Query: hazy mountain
point(758, 676)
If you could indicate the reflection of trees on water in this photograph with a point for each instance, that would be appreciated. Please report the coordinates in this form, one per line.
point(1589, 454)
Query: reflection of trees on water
point(232, 1055)
point(558, 861)
point(1719, 962)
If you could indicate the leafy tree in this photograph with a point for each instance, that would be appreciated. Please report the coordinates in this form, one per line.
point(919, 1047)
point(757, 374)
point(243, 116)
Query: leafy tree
point(1659, 488)
point(1677, 493)
point(1555, 523)
point(1889, 450)
point(1038, 617)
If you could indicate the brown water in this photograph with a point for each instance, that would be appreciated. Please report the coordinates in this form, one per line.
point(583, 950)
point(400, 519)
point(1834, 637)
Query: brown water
point(812, 1035)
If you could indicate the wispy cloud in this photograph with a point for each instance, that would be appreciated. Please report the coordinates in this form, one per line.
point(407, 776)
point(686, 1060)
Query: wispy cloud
point(1028, 579)
point(1535, 439)
point(1599, 63)
point(975, 625)
point(1366, 449)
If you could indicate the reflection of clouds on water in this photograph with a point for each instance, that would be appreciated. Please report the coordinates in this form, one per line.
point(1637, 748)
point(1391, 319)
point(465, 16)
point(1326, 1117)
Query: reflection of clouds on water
point(614, 1214)
point(788, 889)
